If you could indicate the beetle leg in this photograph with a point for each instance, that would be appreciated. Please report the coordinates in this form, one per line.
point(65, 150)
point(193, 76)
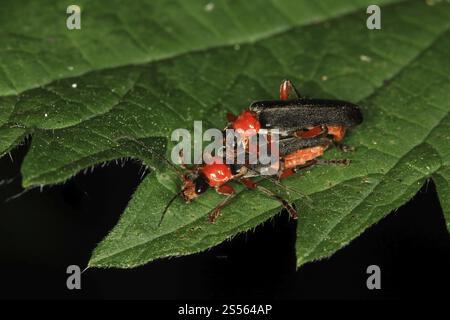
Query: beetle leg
point(343, 147)
point(288, 91)
point(285, 173)
point(290, 209)
point(224, 189)
point(277, 182)
point(248, 183)
point(342, 162)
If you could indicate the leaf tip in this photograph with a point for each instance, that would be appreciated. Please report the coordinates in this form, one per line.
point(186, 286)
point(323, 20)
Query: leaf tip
point(300, 262)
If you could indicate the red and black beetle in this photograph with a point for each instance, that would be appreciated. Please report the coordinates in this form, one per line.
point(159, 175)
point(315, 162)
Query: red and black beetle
point(217, 175)
point(295, 116)
point(302, 119)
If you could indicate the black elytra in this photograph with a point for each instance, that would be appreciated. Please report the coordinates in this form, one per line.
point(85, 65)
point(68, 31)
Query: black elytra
point(303, 113)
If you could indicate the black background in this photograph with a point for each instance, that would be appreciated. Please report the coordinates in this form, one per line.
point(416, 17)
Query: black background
point(41, 233)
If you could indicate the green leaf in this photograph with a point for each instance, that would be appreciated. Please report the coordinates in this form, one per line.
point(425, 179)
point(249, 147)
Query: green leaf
point(138, 72)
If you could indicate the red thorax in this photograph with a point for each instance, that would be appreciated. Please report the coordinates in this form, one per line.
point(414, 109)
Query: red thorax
point(217, 174)
point(246, 121)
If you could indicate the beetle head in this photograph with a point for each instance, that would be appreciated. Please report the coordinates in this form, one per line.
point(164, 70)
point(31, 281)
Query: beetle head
point(194, 185)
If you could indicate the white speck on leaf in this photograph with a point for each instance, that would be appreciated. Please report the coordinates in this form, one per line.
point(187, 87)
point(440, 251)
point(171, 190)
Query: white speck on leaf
point(324, 78)
point(209, 7)
point(74, 85)
point(365, 58)
point(70, 68)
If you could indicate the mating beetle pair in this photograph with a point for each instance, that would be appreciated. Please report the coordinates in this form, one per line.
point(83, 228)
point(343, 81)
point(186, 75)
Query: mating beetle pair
point(307, 128)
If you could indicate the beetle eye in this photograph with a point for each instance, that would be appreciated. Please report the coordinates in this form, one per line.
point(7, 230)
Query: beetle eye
point(235, 168)
point(200, 185)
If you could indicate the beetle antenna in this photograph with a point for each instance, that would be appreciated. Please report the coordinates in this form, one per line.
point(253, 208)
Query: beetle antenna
point(7, 181)
point(174, 167)
point(161, 157)
point(167, 207)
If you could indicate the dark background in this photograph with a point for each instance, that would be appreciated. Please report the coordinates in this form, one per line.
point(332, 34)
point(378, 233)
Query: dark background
point(41, 233)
